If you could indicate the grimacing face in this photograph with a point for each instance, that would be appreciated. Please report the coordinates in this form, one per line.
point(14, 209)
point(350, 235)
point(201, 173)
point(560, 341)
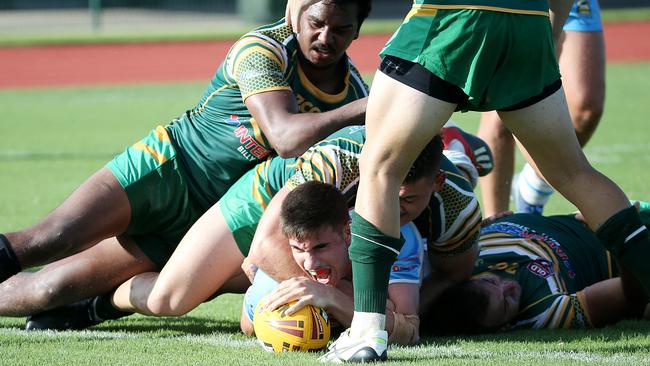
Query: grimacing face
point(326, 32)
point(504, 296)
point(414, 196)
point(324, 255)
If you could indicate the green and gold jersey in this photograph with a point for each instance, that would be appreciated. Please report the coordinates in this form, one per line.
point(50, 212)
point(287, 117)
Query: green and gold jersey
point(218, 140)
point(530, 7)
point(553, 259)
point(449, 225)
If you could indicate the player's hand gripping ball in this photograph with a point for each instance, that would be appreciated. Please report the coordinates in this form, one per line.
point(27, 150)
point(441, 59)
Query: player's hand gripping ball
point(306, 330)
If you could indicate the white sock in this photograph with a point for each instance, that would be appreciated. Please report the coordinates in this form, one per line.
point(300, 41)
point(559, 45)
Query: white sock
point(365, 323)
point(533, 189)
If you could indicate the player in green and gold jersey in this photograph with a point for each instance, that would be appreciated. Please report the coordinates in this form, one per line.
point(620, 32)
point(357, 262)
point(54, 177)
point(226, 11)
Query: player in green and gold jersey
point(477, 55)
point(536, 272)
point(129, 216)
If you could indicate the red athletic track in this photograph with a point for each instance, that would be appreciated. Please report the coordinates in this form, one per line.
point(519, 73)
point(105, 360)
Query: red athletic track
point(186, 61)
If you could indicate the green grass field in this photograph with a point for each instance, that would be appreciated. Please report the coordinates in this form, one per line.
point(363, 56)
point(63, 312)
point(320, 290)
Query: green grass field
point(52, 139)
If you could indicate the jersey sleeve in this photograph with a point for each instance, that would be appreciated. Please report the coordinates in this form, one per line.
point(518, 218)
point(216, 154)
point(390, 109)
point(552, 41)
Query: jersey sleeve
point(566, 311)
point(262, 285)
point(331, 162)
point(460, 216)
point(408, 266)
point(257, 64)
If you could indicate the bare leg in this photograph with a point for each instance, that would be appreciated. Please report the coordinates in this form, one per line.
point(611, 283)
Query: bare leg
point(495, 187)
point(582, 63)
point(545, 130)
point(391, 148)
point(92, 272)
point(203, 262)
point(97, 210)
point(389, 151)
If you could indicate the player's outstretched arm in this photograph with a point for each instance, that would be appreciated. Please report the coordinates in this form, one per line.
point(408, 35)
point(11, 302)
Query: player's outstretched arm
point(270, 249)
point(607, 304)
point(290, 132)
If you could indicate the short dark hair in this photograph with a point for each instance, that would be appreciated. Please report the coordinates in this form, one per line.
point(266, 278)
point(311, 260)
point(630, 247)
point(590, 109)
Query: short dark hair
point(363, 7)
point(309, 207)
point(460, 309)
point(427, 164)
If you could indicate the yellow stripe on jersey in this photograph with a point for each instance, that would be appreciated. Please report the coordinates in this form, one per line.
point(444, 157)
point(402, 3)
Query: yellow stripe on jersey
point(261, 171)
point(325, 97)
point(429, 9)
point(242, 56)
point(521, 311)
point(471, 225)
point(561, 313)
point(212, 95)
point(150, 150)
point(258, 91)
point(248, 45)
point(257, 132)
point(584, 306)
point(419, 12)
point(514, 244)
point(161, 134)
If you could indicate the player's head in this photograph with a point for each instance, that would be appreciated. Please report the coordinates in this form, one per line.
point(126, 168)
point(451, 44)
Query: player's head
point(315, 219)
point(484, 304)
point(327, 29)
point(422, 180)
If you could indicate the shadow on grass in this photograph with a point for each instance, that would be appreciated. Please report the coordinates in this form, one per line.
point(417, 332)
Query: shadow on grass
point(185, 325)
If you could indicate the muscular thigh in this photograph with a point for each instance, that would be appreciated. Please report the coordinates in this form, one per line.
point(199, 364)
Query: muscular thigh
point(98, 209)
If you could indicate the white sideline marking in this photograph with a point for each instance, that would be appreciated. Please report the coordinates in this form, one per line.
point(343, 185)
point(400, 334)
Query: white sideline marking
point(214, 339)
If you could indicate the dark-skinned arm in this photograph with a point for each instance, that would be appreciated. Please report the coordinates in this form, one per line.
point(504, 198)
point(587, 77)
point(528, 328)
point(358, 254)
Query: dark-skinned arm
point(290, 132)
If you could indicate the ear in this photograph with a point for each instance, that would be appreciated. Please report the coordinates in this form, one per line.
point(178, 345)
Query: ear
point(440, 181)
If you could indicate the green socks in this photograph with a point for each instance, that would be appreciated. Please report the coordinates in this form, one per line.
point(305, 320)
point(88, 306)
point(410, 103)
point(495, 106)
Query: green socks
point(372, 254)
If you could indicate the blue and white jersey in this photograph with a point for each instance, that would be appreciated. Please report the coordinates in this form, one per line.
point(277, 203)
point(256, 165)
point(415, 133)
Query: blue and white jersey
point(406, 269)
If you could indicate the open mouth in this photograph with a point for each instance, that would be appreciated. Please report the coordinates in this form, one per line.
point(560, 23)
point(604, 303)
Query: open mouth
point(321, 275)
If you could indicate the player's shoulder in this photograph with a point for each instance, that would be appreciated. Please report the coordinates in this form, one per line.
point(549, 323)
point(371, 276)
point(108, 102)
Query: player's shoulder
point(277, 34)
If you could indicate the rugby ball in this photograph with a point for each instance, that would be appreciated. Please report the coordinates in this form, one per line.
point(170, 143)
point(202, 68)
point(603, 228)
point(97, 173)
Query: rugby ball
point(306, 330)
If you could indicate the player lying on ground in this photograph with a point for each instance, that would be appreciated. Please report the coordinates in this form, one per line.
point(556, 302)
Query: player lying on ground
point(475, 55)
point(216, 244)
point(447, 221)
point(314, 217)
point(129, 216)
point(536, 272)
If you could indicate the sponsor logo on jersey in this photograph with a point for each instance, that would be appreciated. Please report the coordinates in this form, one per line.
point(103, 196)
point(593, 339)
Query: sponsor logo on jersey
point(233, 120)
point(305, 106)
point(540, 268)
point(527, 233)
point(250, 149)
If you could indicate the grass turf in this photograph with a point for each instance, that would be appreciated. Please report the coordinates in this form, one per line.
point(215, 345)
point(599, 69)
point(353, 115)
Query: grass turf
point(51, 140)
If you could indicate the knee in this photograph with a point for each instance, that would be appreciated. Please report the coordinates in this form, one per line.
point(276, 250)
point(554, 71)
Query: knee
point(586, 115)
point(48, 293)
point(166, 305)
